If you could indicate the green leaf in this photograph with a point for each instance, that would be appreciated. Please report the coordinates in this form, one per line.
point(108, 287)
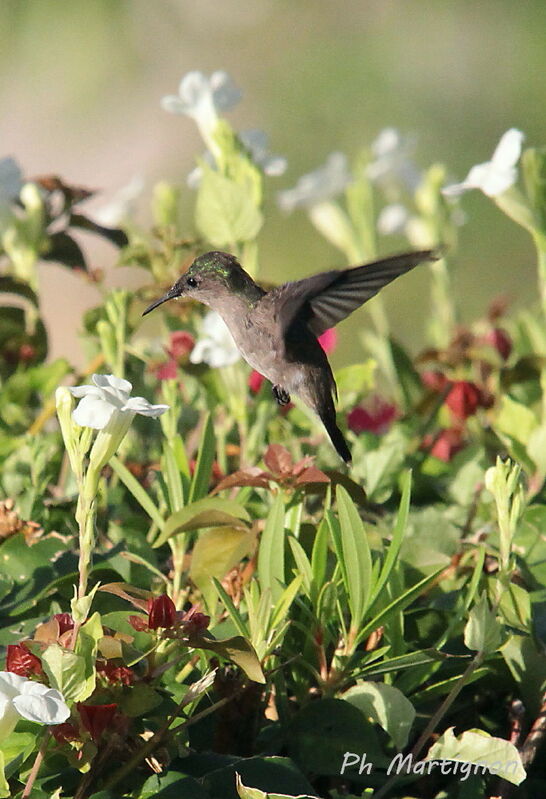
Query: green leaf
point(205, 458)
point(478, 747)
point(245, 792)
point(397, 537)
point(516, 420)
point(271, 551)
point(225, 211)
point(482, 632)
point(215, 552)
point(237, 649)
point(209, 512)
point(356, 556)
point(398, 604)
point(302, 563)
point(131, 483)
point(86, 646)
point(385, 705)
point(67, 672)
point(515, 607)
point(321, 732)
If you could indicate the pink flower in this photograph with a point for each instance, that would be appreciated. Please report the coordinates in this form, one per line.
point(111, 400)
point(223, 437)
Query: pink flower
point(255, 381)
point(377, 418)
point(181, 344)
point(328, 340)
point(167, 370)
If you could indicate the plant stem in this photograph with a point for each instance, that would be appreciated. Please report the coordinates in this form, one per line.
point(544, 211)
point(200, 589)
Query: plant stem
point(37, 763)
point(436, 718)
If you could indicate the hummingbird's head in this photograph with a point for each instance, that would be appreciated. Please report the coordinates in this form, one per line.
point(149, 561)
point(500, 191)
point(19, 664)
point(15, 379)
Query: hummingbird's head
point(210, 279)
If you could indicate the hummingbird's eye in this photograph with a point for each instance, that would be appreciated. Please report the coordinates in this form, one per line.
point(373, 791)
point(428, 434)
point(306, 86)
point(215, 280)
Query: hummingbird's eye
point(192, 282)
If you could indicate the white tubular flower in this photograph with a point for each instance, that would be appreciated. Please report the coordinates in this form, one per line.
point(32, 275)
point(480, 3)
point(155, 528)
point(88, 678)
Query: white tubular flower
point(121, 205)
point(497, 175)
point(22, 698)
point(108, 397)
point(200, 98)
point(392, 159)
point(324, 183)
point(393, 219)
point(216, 346)
point(255, 142)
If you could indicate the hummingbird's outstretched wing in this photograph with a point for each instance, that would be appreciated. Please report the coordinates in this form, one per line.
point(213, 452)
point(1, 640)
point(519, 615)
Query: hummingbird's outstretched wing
point(325, 299)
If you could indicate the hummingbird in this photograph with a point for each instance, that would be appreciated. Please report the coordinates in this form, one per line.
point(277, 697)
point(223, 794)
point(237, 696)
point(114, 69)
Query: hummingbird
point(276, 331)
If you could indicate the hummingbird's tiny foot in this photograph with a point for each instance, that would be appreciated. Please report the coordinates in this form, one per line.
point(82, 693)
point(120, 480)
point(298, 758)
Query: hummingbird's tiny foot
point(281, 395)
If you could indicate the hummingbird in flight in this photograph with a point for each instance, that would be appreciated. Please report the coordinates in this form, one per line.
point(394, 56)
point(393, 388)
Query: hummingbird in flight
point(276, 331)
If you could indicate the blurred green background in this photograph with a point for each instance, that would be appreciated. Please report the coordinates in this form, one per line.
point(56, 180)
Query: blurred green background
point(82, 81)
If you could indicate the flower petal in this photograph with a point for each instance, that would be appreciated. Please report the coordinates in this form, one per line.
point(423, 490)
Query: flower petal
point(93, 412)
point(85, 391)
point(11, 684)
point(225, 92)
point(111, 381)
point(142, 406)
point(508, 149)
point(43, 708)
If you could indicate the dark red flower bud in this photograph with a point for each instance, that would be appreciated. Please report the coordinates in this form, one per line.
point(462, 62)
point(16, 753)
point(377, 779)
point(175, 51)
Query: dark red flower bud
point(377, 418)
point(22, 662)
point(161, 612)
point(96, 718)
point(66, 622)
point(500, 340)
point(255, 381)
point(195, 622)
point(463, 399)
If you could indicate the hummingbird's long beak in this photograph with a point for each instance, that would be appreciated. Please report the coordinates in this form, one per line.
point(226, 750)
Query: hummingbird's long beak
point(170, 295)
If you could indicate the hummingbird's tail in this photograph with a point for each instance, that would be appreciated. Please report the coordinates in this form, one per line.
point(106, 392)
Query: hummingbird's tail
point(336, 436)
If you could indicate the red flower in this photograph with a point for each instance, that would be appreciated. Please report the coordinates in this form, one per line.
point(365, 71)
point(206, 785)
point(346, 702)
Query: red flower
point(161, 612)
point(444, 445)
point(464, 399)
point(116, 674)
point(22, 662)
point(328, 340)
point(181, 344)
point(64, 733)
point(96, 718)
point(167, 370)
point(499, 340)
point(66, 622)
point(255, 381)
point(376, 419)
